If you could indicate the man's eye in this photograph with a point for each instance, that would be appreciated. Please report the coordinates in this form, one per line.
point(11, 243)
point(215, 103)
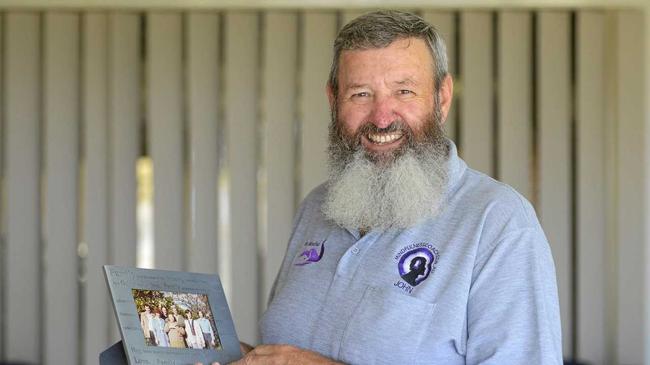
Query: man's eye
point(362, 94)
point(405, 92)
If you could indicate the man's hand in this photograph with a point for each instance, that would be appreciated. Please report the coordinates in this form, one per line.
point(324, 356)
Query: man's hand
point(245, 348)
point(282, 355)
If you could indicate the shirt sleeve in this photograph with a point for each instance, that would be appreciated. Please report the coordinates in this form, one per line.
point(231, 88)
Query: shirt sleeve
point(513, 312)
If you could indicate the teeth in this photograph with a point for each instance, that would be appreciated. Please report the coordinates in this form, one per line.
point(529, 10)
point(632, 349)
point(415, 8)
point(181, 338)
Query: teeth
point(384, 138)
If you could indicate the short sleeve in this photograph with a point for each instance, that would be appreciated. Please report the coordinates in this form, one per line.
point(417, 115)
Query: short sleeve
point(513, 309)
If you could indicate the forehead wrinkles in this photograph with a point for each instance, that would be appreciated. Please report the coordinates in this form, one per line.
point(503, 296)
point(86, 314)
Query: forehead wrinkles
point(404, 58)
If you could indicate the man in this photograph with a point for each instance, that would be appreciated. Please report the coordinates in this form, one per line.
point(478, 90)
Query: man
point(147, 328)
point(206, 329)
point(180, 323)
point(427, 260)
point(215, 333)
point(193, 331)
point(179, 317)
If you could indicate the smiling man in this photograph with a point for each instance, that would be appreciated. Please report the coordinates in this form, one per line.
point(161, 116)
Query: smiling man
point(427, 261)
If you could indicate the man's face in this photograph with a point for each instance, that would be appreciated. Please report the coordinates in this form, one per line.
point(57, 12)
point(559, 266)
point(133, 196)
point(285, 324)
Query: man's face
point(147, 309)
point(386, 97)
point(387, 150)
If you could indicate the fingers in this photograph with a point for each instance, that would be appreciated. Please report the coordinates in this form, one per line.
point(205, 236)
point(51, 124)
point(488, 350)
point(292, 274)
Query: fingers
point(271, 354)
point(245, 348)
point(273, 349)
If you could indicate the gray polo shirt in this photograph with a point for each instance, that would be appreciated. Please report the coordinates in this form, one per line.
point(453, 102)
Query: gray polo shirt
point(475, 285)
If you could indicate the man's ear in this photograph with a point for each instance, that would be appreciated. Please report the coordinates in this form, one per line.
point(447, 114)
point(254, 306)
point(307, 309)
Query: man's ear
point(330, 95)
point(445, 95)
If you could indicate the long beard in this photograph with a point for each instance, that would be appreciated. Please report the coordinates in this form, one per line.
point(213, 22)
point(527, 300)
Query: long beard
point(397, 189)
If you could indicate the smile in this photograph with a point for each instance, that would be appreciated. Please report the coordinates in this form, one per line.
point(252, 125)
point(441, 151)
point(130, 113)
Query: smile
point(385, 138)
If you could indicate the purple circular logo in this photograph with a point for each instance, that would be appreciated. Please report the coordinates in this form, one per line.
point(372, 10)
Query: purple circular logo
point(415, 265)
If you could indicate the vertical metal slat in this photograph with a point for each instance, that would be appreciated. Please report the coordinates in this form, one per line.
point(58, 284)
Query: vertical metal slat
point(164, 119)
point(319, 31)
point(279, 140)
point(60, 170)
point(515, 111)
point(631, 192)
point(203, 93)
point(476, 104)
point(554, 153)
point(94, 188)
point(124, 88)
point(22, 105)
point(591, 209)
point(241, 83)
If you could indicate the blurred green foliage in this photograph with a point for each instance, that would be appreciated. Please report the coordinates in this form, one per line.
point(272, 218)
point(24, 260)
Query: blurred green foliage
point(156, 299)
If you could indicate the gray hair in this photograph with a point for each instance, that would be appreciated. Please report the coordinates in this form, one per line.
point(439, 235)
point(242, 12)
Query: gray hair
point(379, 29)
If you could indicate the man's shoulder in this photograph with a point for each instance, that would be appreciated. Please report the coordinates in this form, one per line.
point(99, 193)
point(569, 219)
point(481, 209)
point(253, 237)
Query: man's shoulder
point(316, 195)
point(497, 214)
point(496, 201)
point(312, 204)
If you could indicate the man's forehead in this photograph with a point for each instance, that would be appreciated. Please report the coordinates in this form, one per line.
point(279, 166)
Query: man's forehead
point(414, 49)
point(405, 57)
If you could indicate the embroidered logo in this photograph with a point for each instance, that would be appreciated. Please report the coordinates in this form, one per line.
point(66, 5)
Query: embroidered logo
point(415, 263)
point(311, 254)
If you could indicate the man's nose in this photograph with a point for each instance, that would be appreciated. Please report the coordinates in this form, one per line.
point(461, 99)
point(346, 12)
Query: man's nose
point(383, 111)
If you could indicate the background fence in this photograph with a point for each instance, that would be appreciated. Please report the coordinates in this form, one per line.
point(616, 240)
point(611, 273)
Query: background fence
point(228, 109)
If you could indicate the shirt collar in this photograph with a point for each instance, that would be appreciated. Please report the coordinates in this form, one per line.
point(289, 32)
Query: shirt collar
point(455, 166)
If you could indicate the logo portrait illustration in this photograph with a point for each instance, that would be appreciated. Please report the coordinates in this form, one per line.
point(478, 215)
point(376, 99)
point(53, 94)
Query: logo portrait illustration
point(415, 263)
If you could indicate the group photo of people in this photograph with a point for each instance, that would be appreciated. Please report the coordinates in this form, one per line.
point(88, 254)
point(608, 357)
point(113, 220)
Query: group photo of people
point(179, 320)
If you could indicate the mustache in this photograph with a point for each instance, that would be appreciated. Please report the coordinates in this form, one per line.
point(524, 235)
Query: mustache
point(370, 127)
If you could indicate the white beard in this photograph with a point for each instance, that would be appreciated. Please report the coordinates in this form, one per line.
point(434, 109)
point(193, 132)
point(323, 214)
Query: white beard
point(363, 195)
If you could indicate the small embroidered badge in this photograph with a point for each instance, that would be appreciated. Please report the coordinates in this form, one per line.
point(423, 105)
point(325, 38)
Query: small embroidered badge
point(416, 262)
point(311, 254)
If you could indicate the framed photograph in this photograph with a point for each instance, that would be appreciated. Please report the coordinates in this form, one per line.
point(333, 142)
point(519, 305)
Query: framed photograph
point(171, 317)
